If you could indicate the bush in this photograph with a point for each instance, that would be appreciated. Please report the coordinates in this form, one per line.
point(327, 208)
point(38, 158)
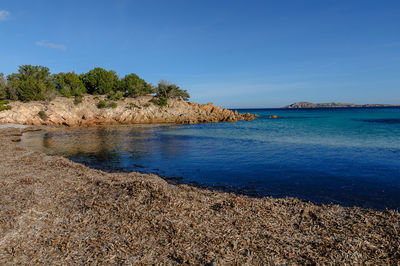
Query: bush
point(134, 86)
point(115, 95)
point(166, 89)
point(4, 106)
point(78, 99)
point(133, 105)
point(42, 115)
point(69, 84)
point(146, 105)
point(112, 105)
point(31, 83)
point(104, 104)
point(35, 83)
point(3, 83)
point(160, 101)
point(100, 81)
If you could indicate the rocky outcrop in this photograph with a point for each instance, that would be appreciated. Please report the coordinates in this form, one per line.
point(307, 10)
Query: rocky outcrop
point(63, 111)
point(333, 105)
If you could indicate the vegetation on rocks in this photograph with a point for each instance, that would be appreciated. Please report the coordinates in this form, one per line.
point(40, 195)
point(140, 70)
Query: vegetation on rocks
point(134, 86)
point(42, 115)
point(36, 83)
point(4, 105)
point(115, 95)
point(31, 83)
point(100, 81)
point(167, 90)
point(69, 84)
point(3, 83)
point(78, 99)
point(160, 101)
point(106, 104)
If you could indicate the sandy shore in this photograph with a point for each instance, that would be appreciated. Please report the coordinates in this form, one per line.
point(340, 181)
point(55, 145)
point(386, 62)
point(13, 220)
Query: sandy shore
point(55, 211)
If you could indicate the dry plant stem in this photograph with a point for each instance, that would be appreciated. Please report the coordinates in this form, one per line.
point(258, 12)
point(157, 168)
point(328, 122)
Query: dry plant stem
point(54, 211)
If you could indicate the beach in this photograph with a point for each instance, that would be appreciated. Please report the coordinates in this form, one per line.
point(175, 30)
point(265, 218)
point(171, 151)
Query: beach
point(56, 211)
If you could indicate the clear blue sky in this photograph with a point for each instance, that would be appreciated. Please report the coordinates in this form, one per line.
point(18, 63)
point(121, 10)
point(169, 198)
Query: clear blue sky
point(233, 53)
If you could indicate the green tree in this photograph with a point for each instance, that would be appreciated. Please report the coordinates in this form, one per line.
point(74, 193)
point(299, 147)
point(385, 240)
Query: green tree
point(3, 83)
point(167, 90)
point(100, 81)
point(134, 86)
point(31, 83)
point(69, 84)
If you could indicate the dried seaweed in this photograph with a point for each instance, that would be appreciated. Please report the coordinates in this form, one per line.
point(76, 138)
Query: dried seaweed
point(54, 211)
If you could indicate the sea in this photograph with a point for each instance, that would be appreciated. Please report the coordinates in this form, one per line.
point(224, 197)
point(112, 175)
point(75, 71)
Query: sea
point(346, 156)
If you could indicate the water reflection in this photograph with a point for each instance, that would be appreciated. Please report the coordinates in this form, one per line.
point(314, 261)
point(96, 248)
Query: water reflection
point(109, 148)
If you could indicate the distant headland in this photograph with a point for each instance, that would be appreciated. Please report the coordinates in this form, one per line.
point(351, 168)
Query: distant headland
point(333, 105)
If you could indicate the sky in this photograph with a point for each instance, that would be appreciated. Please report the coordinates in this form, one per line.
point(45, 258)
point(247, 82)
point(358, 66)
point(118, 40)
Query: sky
point(238, 54)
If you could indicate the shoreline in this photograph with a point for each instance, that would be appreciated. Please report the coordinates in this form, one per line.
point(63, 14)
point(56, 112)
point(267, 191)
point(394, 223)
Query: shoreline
point(140, 110)
point(58, 211)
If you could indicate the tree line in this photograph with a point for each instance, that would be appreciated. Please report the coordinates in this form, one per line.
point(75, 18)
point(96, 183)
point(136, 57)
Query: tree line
point(36, 83)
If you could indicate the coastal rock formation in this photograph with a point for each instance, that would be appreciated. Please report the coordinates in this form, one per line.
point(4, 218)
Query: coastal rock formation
point(63, 111)
point(332, 105)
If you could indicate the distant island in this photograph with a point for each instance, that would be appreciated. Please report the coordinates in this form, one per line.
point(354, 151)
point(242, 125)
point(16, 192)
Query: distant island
point(333, 105)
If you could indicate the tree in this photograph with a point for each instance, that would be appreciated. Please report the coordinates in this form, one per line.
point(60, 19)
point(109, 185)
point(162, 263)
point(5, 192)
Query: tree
point(134, 86)
point(166, 89)
point(31, 83)
point(69, 84)
point(100, 81)
point(3, 83)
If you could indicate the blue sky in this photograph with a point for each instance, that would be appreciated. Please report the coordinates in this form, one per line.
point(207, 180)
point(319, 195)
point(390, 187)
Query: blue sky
point(233, 53)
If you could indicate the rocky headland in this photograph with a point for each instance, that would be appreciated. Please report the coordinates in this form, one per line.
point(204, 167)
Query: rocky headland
point(332, 105)
point(140, 110)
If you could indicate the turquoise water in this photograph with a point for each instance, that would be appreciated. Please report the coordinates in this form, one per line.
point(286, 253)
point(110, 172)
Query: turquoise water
point(345, 156)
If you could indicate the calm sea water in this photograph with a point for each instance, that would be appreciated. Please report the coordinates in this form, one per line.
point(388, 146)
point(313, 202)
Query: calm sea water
point(345, 156)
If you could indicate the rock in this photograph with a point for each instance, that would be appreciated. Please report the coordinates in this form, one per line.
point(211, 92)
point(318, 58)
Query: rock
point(63, 112)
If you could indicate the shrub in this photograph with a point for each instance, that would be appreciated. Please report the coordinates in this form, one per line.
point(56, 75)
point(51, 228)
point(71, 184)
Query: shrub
point(160, 101)
point(133, 105)
point(100, 81)
point(3, 83)
point(134, 86)
point(31, 83)
point(115, 95)
point(4, 106)
point(69, 84)
point(112, 105)
point(42, 115)
point(78, 99)
point(146, 105)
point(102, 104)
point(166, 89)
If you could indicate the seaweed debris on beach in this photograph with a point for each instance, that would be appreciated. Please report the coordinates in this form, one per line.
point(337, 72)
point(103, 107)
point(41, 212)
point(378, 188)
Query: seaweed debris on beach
point(54, 211)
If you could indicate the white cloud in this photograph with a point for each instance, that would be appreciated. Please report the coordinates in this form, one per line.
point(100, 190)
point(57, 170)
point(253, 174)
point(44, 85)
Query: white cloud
point(51, 45)
point(4, 14)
